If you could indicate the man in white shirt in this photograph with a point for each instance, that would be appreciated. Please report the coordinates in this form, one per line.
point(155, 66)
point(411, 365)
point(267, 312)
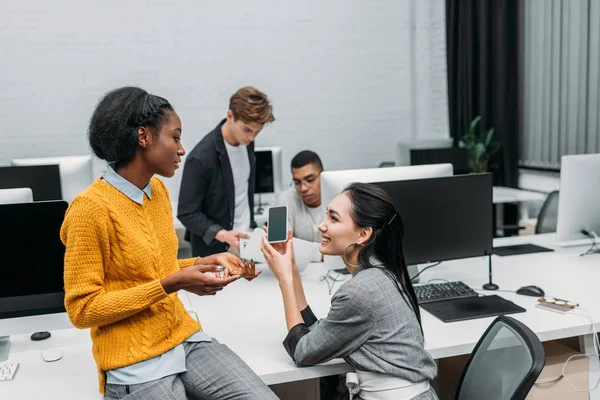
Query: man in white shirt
point(216, 200)
point(304, 199)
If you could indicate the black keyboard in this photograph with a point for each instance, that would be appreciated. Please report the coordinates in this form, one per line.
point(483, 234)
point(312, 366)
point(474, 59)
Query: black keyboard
point(443, 291)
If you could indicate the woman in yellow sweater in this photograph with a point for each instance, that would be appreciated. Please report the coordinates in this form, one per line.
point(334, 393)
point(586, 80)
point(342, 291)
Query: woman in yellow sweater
point(121, 269)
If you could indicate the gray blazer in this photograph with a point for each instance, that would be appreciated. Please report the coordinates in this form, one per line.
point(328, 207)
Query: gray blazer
point(370, 325)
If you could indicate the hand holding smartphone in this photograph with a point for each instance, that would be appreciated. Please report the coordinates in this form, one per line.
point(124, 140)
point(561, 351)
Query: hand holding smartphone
point(278, 224)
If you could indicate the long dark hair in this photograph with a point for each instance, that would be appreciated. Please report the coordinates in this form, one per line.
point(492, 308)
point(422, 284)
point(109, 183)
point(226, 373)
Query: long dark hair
point(113, 127)
point(372, 207)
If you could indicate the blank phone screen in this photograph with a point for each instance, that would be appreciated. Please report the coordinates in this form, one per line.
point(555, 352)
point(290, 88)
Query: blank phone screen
point(277, 224)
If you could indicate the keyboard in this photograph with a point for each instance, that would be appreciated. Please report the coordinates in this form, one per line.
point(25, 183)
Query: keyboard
point(431, 292)
point(8, 370)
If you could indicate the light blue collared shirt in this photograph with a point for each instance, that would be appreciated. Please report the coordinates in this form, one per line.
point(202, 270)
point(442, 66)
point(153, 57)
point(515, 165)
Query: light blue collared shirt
point(126, 187)
point(171, 362)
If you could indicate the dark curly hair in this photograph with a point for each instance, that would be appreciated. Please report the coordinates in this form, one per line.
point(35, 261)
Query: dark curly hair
point(113, 131)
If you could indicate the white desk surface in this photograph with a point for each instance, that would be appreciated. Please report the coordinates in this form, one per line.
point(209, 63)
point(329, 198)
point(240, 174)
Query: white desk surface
point(503, 194)
point(249, 318)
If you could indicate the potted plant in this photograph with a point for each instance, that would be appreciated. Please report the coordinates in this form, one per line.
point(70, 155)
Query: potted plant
point(480, 147)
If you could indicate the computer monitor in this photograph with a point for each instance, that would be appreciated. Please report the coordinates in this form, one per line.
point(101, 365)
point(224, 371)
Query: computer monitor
point(404, 147)
point(31, 285)
point(444, 218)
point(454, 155)
point(18, 195)
point(43, 180)
point(333, 182)
point(75, 172)
point(578, 199)
point(268, 170)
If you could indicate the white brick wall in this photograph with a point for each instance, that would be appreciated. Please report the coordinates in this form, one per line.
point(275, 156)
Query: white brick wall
point(338, 72)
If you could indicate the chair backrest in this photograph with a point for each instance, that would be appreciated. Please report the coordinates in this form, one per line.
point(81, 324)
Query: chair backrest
point(505, 363)
point(548, 215)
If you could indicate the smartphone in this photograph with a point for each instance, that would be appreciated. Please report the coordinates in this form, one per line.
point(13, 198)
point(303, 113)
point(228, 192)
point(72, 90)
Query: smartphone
point(278, 224)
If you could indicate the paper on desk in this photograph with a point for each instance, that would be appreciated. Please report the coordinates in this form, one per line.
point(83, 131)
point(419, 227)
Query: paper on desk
point(306, 252)
point(250, 248)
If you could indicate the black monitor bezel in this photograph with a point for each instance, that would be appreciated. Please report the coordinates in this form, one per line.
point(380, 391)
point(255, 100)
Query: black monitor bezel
point(34, 304)
point(487, 178)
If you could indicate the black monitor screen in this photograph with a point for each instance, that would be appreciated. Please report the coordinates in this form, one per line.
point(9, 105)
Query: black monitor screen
point(456, 156)
point(444, 218)
point(43, 180)
point(32, 261)
point(264, 182)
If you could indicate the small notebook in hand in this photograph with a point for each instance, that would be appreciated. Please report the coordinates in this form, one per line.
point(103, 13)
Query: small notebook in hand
point(471, 308)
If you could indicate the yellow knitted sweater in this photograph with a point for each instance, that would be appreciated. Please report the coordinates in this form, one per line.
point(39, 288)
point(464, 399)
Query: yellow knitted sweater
point(117, 251)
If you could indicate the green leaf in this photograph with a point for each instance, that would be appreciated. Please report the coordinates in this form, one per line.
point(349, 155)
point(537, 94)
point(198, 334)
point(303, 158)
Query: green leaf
point(479, 151)
point(472, 154)
point(461, 144)
point(473, 127)
point(489, 138)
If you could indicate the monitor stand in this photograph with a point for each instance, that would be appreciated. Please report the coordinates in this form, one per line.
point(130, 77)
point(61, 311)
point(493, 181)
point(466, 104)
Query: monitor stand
point(490, 285)
point(582, 240)
point(413, 270)
point(4, 348)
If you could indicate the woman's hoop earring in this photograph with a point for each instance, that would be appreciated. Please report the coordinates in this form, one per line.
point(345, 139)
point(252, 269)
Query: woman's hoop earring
point(346, 249)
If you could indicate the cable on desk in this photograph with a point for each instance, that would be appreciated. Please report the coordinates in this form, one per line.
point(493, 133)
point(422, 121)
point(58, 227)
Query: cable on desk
point(328, 278)
point(425, 269)
point(438, 279)
point(583, 313)
point(496, 290)
point(189, 306)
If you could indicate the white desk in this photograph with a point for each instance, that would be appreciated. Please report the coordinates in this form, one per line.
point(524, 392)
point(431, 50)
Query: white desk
point(248, 317)
point(503, 194)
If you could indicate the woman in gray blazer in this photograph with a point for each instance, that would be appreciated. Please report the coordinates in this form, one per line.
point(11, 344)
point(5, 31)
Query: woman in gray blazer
point(374, 321)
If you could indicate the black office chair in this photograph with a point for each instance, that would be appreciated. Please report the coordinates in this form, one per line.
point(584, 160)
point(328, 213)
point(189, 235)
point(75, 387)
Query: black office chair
point(505, 363)
point(546, 222)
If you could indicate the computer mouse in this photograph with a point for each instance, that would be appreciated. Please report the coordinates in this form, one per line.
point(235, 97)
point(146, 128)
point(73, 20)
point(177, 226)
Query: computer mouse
point(40, 336)
point(51, 355)
point(531, 290)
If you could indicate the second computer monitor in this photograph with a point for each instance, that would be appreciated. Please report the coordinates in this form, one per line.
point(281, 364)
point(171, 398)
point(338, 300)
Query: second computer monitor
point(578, 199)
point(268, 170)
point(32, 265)
point(444, 218)
point(455, 155)
point(75, 172)
point(334, 182)
point(43, 180)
